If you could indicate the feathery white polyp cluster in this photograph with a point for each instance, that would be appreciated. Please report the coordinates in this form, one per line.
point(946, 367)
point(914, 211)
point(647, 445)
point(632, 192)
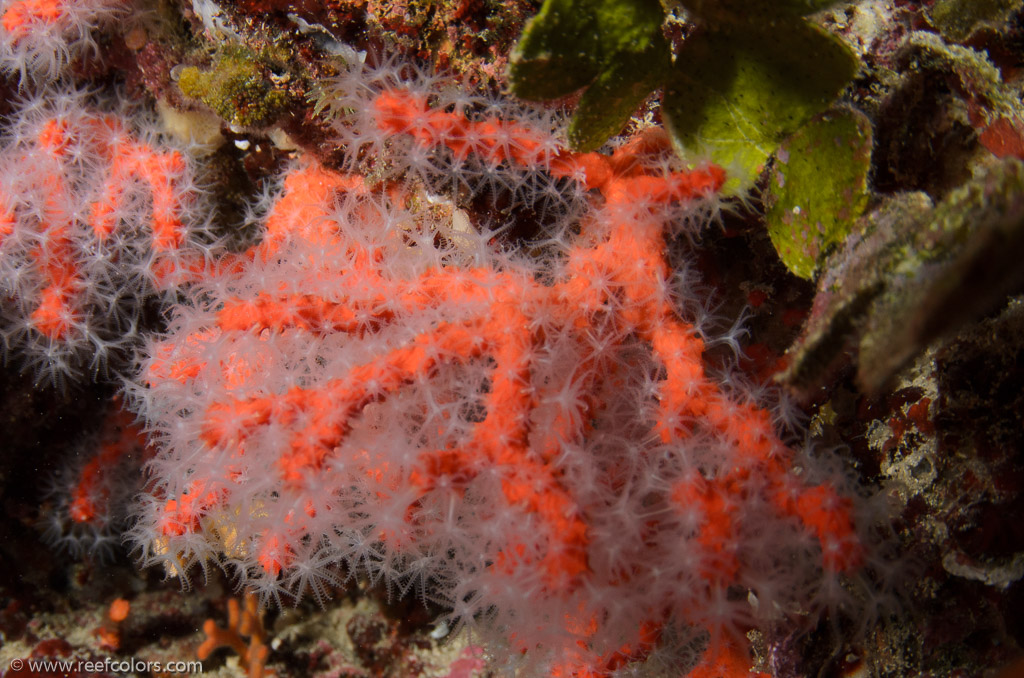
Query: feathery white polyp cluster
point(94, 219)
point(39, 38)
point(535, 444)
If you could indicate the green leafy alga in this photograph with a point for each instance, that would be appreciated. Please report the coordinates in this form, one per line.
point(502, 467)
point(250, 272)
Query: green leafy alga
point(818, 188)
point(750, 74)
point(614, 46)
point(739, 90)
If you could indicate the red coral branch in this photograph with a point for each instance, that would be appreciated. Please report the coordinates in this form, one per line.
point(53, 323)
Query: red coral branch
point(613, 291)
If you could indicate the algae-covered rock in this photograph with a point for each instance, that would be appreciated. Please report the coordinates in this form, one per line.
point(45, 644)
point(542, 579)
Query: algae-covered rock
point(958, 19)
point(911, 273)
point(239, 86)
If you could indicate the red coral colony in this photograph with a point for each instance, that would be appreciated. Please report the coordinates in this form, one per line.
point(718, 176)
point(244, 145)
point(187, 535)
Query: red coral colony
point(444, 363)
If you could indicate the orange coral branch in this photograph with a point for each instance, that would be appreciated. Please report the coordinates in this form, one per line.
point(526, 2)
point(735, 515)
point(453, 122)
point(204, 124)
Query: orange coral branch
point(242, 623)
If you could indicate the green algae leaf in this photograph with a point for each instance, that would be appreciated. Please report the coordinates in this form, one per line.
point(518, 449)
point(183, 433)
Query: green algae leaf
point(818, 188)
point(610, 101)
point(615, 46)
point(734, 94)
point(957, 19)
point(753, 11)
point(558, 53)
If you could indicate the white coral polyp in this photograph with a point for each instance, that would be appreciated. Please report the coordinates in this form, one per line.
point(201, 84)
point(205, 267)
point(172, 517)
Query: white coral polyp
point(39, 38)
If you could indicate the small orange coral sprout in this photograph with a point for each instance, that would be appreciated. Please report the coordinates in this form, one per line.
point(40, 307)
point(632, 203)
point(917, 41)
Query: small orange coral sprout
point(242, 623)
